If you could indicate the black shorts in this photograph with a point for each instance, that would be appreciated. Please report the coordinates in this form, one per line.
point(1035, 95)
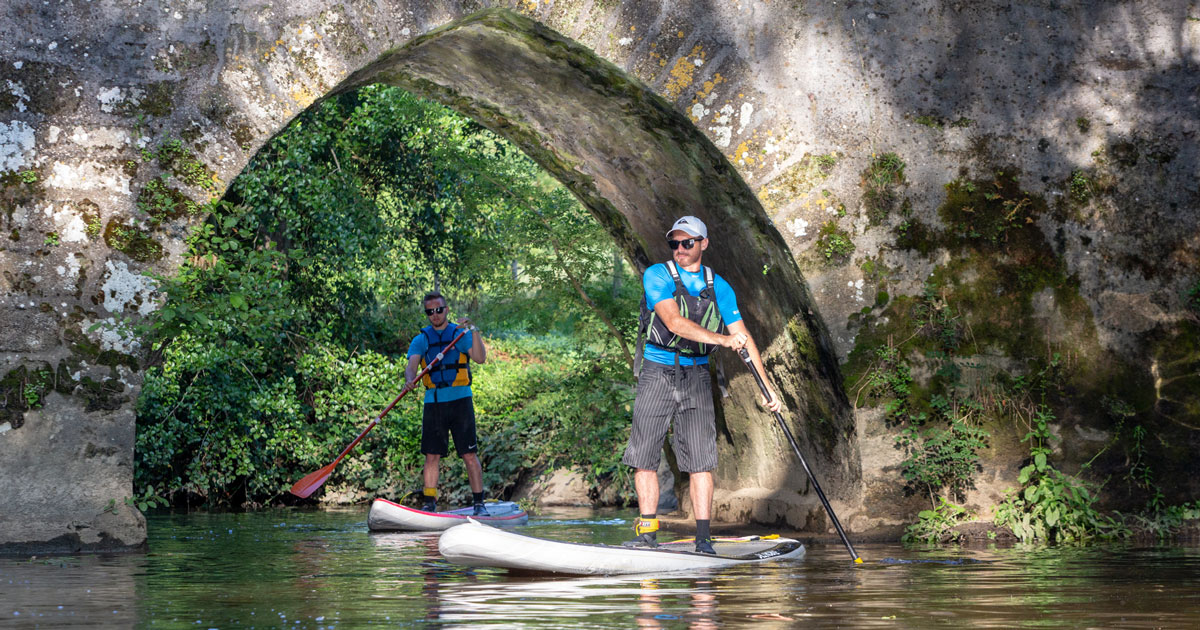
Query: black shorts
point(687, 399)
point(444, 419)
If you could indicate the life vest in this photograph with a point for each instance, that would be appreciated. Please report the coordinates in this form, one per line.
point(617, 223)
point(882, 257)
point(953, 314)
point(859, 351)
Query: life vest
point(455, 367)
point(701, 309)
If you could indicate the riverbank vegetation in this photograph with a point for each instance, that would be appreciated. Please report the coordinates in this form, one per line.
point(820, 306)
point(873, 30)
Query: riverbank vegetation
point(286, 330)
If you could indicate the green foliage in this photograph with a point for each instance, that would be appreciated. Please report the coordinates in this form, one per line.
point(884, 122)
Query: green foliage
point(93, 226)
point(939, 431)
point(834, 243)
point(1080, 187)
point(173, 156)
point(146, 500)
point(286, 330)
point(33, 395)
point(933, 122)
point(160, 202)
point(134, 242)
point(942, 457)
point(881, 180)
point(1052, 506)
point(51, 239)
point(1191, 298)
point(1083, 124)
point(1166, 521)
point(28, 177)
point(936, 525)
point(988, 210)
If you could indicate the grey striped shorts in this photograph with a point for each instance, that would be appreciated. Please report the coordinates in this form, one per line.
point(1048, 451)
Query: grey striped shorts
point(688, 400)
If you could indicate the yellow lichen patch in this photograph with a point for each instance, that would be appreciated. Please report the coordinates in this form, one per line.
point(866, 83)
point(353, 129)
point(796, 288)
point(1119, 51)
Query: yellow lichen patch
point(797, 182)
point(303, 96)
point(708, 86)
point(741, 155)
point(683, 72)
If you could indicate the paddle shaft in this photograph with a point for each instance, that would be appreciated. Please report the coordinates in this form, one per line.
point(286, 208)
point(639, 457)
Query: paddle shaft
point(303, 489)
point(762, 386)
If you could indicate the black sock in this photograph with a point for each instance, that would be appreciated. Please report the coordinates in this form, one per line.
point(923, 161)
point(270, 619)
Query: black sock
point(702, 529)
point(648, 517)
point(478, 497)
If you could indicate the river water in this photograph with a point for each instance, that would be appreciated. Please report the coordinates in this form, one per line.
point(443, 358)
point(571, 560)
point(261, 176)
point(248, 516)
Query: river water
point(321, 569)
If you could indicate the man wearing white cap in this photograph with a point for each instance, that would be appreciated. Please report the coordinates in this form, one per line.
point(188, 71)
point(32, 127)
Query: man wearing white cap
point(687, 312)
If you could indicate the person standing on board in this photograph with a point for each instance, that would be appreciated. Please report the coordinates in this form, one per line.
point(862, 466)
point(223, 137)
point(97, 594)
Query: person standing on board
point(686, 312)
point(449, 408)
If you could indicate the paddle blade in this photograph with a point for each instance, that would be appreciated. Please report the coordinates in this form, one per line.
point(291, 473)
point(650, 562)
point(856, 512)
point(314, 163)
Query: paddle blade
point(311, 482)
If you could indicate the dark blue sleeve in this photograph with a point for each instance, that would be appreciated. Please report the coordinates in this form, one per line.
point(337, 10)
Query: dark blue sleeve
point(726, 301)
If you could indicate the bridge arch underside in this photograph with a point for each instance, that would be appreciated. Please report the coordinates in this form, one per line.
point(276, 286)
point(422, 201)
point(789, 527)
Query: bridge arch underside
point(638, 164)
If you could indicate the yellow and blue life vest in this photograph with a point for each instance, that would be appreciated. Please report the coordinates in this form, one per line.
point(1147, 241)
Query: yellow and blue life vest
point(455, 367)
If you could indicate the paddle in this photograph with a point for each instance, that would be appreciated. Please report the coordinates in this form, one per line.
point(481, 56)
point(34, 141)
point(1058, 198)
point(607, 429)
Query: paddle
point(816, 486)
point(312, 481)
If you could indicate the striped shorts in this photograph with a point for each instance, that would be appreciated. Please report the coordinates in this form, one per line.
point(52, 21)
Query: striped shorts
point(661, 397)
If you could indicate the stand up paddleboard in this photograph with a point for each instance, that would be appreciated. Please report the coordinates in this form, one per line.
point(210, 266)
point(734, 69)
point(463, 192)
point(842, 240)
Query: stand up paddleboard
point(477, 545)
point(386, 516)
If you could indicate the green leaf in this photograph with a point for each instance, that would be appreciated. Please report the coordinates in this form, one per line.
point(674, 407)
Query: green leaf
point(237, 300)
point(1039, 460)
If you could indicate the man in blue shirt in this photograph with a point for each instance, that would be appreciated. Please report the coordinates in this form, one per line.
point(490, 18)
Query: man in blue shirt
point(693, 309)
point(449, 410)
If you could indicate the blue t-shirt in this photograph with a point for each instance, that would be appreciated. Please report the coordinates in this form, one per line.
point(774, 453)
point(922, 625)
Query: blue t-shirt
point(659, 286)
point(444, 394)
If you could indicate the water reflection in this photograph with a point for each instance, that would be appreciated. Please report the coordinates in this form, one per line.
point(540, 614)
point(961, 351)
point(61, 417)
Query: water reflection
point(68, 591)
point(312, 570)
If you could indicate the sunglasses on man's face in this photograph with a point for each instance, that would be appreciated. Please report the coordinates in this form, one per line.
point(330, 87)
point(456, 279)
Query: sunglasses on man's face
point(439, 310)
point(687, 243)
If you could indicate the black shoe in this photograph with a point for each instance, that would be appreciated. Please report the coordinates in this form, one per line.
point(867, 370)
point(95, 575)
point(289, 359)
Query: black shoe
point(429, 506)
point(704, 545)
point(480, 510)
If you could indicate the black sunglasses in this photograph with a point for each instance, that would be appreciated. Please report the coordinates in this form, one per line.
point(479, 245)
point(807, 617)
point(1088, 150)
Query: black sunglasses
point(687, 243)
point(439, 310)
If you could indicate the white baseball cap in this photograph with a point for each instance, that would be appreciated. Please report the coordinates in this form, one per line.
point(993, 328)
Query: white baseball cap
point(690, 225)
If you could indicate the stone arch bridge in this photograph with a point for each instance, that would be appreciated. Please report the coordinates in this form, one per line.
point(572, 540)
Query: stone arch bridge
point(763, 118)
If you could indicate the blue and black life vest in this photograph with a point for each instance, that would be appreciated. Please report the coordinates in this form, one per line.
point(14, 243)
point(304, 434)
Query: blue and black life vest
point(701, 309)
point(455, 367)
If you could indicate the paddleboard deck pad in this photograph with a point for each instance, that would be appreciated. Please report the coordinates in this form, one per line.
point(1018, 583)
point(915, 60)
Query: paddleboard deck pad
point(386, 516)
point(477, 545)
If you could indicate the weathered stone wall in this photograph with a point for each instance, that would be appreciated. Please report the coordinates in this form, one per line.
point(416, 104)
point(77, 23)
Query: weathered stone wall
point(115, 115)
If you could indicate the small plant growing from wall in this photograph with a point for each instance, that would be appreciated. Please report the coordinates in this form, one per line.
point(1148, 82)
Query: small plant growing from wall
point(881, 180)
point(834, 243)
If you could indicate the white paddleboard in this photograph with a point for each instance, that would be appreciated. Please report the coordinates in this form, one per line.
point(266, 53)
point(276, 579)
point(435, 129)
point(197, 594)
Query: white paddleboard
point(478, 545)
point(386, 516)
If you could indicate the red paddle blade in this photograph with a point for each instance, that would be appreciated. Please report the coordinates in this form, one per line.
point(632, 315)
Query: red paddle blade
point(311, 482)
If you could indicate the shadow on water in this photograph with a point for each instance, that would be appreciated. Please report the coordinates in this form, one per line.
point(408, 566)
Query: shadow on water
point(307, 569)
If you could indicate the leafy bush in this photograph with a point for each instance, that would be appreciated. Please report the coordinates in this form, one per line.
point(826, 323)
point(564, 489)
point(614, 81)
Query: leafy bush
point(1052, 506)
point(936, 525)
point(286, 330)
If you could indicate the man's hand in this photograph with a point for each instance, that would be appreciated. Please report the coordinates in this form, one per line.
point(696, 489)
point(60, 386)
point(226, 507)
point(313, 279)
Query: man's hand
point(466, 322)
point(736, 341)
point(774, 405)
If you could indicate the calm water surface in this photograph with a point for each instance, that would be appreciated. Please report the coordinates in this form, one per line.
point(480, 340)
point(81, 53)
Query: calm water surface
point(306, 569)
